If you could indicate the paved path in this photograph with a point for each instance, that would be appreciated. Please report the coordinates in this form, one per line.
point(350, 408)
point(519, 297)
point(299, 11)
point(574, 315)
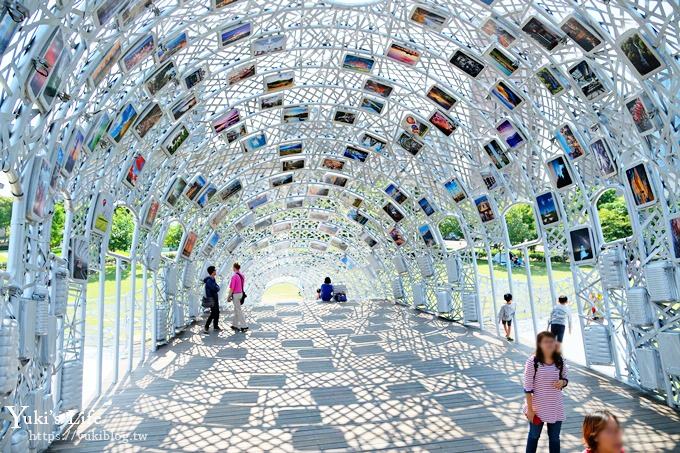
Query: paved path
point(351, 377)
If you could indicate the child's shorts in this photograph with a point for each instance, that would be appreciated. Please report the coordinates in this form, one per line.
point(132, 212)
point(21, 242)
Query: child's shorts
point(558, 331)
point(507, 323)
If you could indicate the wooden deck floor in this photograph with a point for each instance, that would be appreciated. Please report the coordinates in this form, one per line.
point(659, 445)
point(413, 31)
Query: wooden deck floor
point(351, 377)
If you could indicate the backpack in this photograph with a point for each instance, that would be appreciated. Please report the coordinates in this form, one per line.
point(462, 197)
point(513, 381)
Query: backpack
point(559, 366)
point(340, 297)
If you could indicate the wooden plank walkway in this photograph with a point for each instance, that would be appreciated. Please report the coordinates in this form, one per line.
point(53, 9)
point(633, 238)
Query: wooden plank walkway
point(352, 377)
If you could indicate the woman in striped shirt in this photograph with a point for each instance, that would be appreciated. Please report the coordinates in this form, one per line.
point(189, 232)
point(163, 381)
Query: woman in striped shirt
point(545, 375)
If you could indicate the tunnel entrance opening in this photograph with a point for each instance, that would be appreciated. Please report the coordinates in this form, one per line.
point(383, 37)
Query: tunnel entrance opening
point(285, 289)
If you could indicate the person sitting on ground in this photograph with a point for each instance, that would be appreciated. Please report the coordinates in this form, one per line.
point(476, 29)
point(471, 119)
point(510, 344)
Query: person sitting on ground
point(602, 433)
point(326, 290)
point(560, 318)
point(212, 289)
point(506, 314)
point(318, 294)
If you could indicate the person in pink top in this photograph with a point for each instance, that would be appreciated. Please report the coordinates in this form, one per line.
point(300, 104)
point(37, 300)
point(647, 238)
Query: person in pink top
point(236, 291)
point(602, 433)
point(545, 375)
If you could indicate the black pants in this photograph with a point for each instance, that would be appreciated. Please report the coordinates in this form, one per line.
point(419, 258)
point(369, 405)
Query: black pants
point(558, 331)
point(214, 315)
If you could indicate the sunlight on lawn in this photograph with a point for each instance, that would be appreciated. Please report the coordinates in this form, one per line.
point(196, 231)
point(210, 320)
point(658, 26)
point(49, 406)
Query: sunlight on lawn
point(282, 292)
point(92, 307)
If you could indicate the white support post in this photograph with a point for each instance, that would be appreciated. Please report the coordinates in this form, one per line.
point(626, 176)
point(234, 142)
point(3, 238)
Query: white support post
point(579, 304)
point(145, 299)
point(154, 315)
point(17, 236)
point(133, 298)
point(475, 277)
point(525, 254)
point(511, 287)
point(61, 323)
point(493, 289)
point(100, 321)
point(116, 332)
point(612, 335)
point(551, 281)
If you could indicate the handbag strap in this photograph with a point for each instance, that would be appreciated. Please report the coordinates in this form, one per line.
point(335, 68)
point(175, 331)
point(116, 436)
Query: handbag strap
point(243, 282)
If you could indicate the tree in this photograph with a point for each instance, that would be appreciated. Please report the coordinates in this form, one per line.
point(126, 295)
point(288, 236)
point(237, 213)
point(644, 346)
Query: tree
point(5, 212)
point(57, 230)
point(450, 225)
point(609, 196)
point(5, 219)
point(122, 227)
point(521, 224)
point(173, 236)
point(614, 219)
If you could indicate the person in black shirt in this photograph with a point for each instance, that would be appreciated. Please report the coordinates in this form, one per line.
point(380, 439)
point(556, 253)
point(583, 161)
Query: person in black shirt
point(211, 291)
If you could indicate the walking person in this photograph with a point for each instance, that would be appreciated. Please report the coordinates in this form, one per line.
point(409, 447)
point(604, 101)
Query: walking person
point(506, 314)
point(560, 319)
point(602, 433)
point(545, 375)
point(212, 289)
point(237, 296)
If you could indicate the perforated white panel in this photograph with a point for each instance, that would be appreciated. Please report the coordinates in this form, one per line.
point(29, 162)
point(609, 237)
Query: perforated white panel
point(661, 285)
point(598, 346)
point(640, 310)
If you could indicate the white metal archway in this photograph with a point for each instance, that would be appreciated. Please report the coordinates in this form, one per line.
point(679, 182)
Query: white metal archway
point(333, 138)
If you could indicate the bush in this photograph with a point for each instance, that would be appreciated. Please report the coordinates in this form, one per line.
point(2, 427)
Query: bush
point(122, 228)
point(521, 224)
point(57, 231)
point(173, 236)
point(614, 218)
point(450, 225)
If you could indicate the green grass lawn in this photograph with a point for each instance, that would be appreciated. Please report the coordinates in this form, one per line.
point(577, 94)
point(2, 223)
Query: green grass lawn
point(539, 272)
point(282, 292)
point(276, 293)
point(92, 318)
point(542, 299)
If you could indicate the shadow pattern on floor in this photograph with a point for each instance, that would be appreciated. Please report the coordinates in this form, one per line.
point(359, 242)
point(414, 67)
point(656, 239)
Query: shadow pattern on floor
point(356, 376)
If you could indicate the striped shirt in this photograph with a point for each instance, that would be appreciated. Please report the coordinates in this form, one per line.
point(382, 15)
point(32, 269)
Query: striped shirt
point(547, 400)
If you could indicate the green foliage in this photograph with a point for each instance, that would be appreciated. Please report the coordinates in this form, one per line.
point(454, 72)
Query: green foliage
point(450, 225)
point(614, 219)
point(5, 211)
point(535, 255)
point(57, 231)
point(521, 224)
point(122, 227)
point(609, 196)
point(173, 236)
